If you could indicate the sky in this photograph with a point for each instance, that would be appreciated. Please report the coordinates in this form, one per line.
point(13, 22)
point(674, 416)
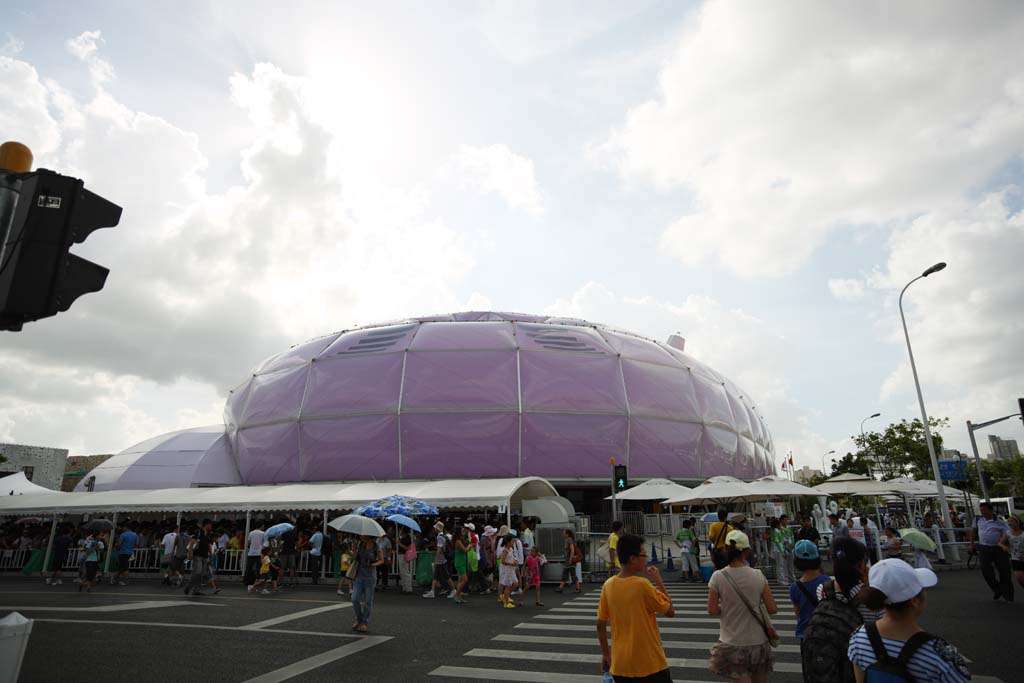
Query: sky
point(760, 178)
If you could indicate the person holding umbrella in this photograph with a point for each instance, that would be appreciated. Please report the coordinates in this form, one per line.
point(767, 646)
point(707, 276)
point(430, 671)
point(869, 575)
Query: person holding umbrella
point(368, 558)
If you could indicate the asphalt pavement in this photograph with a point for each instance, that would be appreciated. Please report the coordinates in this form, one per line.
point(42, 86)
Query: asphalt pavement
point(146, 631)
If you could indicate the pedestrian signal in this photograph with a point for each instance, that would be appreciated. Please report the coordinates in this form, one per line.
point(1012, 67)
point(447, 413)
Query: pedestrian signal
point(620, 478)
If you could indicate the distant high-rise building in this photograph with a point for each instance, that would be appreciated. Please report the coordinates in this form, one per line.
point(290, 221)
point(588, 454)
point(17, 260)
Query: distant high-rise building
point(805, 474)
point(1002, 449)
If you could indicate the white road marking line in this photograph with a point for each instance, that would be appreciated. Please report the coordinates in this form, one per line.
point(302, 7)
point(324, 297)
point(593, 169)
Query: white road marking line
point(208, 597)
point(661, 619)
point(667, 644)
point(200, 626)
point(662, 629)
point(119, 607)
point(524, 676)
point(673, 662)
point(316, 661)
point(293, 616)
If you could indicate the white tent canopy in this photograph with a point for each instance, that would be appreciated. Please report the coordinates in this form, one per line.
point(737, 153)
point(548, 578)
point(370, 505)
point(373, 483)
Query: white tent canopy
point(653, 489)
point(17, 484)
point(717, 490)
point(857, 485)
point(446, 493)
point(779, 487)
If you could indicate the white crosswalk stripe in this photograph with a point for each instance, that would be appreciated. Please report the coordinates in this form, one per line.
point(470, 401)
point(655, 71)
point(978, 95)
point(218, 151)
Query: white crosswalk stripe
point(559, 645)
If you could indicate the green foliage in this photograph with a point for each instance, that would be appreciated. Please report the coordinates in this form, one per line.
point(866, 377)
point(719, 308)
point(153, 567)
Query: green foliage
point(900, 450)
point(1008, 475)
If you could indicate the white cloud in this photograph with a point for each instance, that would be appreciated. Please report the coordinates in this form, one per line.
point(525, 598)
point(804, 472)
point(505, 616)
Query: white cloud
point(964, 321)
point(846, 289)
point(788, 121)
point(11, 46)
point(496, 169)
point(203, 285)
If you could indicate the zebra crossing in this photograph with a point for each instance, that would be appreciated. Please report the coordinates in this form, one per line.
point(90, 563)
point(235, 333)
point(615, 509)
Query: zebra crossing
point(560, 644)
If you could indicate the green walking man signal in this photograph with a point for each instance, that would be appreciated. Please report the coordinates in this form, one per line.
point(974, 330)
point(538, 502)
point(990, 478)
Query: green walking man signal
point(620, 478)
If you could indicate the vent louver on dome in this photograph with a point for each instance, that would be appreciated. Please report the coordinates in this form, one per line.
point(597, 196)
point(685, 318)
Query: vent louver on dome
point(559, 339)
point(376, 340)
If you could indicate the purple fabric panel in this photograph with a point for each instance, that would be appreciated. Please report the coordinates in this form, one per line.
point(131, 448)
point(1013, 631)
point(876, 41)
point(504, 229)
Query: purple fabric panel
point(372, 340)
point(571, 381)
point(759, 465)
point(269, 454)
point(714, 405)
point(533, 337)
point(353, 384)
point(459, 445)
point(296, 356)
point(275, 396)
point(350, 448)
point(760, 435)
point(236, 402)
point(170, 458)
point(740, 416)
point(453, 380)
point(746, 466)
point(564, 446)
point(662, 448)
point(718, 448)
point(217, 466)
point(484, 335)
point(638, 349)
point(659, 390)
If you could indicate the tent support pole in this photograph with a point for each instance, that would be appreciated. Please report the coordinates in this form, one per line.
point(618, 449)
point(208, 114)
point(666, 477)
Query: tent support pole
point(508, 513)
point(323, 564)
point(49, 544)
point(177, 521)
point(110, 545)
point(244, 560)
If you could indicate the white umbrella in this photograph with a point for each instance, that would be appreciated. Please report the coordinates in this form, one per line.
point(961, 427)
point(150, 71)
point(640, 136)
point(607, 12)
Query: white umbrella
point(779, 487)
point(855, 485)
point(653, 489)
point(717, 490)
point(358, 525)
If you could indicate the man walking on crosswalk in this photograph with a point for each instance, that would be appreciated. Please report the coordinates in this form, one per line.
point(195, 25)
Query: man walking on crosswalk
point(629, 602)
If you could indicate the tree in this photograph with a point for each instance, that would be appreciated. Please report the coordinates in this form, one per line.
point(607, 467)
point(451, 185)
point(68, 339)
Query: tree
point(856, 463)
point(900, 450)
point(1008, 475)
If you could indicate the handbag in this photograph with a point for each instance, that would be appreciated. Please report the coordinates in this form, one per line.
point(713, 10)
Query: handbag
point(353, 568)
point(472, 560)
point(410, 553)
point(769, 630)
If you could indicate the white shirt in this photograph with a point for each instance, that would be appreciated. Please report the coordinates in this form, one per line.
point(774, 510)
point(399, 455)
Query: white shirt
point(222, 542)
point(255, 544)
point(168, 542)
point(516, 555)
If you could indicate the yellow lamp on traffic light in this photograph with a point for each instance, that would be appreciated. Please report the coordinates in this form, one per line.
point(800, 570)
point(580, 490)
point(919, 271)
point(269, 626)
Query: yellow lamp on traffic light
point(15, 157)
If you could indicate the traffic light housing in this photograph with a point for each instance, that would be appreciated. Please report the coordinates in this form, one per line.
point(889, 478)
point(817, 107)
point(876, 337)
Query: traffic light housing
point(620, 478)
point(1020, 407)
point(42, 214)
point(988, 479)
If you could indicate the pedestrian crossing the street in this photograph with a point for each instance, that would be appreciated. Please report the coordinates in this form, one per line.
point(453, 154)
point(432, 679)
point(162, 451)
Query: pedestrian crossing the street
point(560, 644)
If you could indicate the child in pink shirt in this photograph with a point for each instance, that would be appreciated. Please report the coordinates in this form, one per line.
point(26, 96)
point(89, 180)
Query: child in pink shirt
point(533, 572)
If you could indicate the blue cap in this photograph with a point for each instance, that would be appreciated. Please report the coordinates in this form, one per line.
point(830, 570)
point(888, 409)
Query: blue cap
point(805, 550)
point(514, 532)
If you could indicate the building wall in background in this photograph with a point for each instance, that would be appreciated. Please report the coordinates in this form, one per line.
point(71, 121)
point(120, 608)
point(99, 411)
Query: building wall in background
point(77, 466)
point(41, 465)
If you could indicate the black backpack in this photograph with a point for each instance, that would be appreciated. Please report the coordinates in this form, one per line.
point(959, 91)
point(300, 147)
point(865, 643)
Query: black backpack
point(718, 556)
point(889, 670)
point(827, 638)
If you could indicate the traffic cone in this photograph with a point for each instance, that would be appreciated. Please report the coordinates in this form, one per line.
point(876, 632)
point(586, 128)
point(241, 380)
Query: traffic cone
point(654, 555)
point(669, 566)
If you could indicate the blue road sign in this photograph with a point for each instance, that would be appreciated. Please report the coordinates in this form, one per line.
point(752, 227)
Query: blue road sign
point(953, 470)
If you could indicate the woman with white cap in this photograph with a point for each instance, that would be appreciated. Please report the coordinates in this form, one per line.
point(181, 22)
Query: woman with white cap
point(741, 595)
point(896, 645)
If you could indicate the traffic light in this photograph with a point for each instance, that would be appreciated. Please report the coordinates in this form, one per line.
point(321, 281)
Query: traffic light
point(620, 478)
point(989, 480)
point(1020, 407)
point(43, 213)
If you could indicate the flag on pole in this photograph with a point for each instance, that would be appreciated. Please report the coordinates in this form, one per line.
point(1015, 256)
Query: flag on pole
point(783, 463)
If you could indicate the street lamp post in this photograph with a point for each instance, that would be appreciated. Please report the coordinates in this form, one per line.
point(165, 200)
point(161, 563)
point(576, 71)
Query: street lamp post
point(862, 438)
point(943, 506)
point(823, 462)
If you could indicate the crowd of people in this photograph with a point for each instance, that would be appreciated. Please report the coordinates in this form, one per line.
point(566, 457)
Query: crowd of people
point(858, 622)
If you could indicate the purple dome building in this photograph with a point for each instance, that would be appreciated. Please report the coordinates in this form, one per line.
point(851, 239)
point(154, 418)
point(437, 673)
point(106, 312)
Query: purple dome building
point(482, 395)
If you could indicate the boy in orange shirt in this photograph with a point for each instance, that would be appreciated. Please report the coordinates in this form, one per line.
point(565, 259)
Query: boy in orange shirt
point(630, 603)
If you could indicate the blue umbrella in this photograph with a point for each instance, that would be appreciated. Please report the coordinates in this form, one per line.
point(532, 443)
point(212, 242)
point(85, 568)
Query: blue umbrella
point(278, 529)
point(405, 521)
point(396, 505)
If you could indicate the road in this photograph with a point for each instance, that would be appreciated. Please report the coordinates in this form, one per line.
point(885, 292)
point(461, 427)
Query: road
point(136, 630)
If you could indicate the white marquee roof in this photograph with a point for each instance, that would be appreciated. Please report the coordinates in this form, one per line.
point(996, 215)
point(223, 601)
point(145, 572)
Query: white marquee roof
point(447, 493)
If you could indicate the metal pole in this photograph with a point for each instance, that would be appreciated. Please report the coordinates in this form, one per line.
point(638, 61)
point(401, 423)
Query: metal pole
point(244, 560)
point(943, 505)
point(323, 565)
point(977, 461)
point(49, 544)
point(110, 546)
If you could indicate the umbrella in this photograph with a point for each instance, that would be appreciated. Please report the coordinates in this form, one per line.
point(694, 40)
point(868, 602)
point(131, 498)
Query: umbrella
point(278, 529)
point(778, 487)
point(395, 505)
point(357, 524)
point(405, 521)
point(653, 489)
point(917, 538)
point(98, 525)
point(717, 490)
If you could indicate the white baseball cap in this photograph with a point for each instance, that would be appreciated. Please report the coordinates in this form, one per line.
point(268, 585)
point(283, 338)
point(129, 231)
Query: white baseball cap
point(899, 581)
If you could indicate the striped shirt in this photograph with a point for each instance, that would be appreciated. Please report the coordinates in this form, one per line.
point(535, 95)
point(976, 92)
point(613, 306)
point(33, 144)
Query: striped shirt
point(934, 662)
